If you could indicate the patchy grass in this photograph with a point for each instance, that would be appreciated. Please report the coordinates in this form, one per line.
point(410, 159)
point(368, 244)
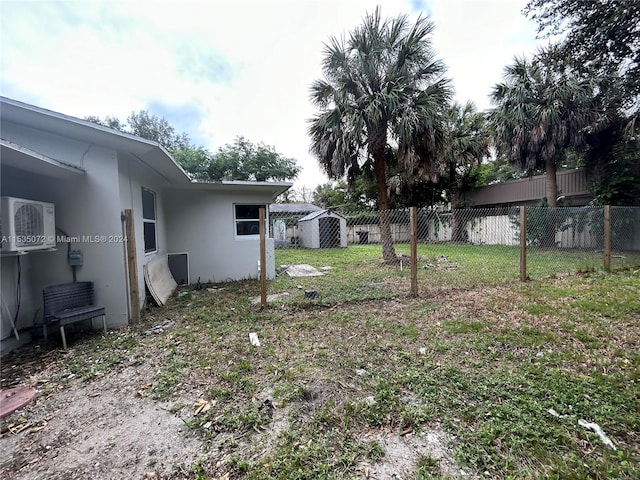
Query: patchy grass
point(483, 364)
point(357, 272)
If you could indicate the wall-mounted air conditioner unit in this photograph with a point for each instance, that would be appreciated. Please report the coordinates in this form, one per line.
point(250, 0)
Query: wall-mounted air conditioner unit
point(26, 225)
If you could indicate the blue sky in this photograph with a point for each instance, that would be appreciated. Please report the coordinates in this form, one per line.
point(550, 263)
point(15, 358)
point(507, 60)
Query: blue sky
point(219, 69)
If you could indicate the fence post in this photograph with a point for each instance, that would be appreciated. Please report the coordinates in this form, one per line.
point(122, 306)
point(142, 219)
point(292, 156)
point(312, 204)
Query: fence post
point(523, 243)
point(414, 252)
point(607, 237)
point(263, 260)
point(132, 265)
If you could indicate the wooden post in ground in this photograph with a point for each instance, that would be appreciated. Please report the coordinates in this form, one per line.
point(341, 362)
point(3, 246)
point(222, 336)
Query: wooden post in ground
point(523, 243)
point(263, 259)
point(132, 266)
point(414, 252)
point(607, 237)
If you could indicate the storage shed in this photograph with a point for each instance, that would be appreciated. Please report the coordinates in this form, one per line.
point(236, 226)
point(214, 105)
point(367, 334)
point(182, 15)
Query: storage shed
point(323, 229)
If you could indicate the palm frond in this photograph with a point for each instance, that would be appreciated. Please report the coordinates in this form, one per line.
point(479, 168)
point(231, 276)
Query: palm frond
point(382, 86)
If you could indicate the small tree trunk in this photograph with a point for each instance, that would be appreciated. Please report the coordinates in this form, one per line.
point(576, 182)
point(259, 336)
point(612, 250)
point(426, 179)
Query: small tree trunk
point(380, 167)
point(549, 238)
point(457, 234)
point(552, 183)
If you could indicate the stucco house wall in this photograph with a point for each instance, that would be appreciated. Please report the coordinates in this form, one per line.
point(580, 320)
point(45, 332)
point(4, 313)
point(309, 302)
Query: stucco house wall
point(86, 205)
point(133, 176)
point(91, 175)
point(202, 224)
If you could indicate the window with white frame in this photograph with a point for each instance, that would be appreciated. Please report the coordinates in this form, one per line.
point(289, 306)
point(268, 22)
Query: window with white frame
point(247, 219)
point(149, 220)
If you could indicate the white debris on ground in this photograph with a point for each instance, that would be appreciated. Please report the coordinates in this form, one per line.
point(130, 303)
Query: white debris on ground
point(554, 413)
point(441, 263)
point(303, 270)
point(598, 430)
point(589, 426)
point(159, 328)
point(253, 338)
point(270, 298)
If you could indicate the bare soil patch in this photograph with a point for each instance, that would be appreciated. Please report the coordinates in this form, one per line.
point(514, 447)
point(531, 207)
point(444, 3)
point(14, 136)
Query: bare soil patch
point(403, 453)
point(98, 429)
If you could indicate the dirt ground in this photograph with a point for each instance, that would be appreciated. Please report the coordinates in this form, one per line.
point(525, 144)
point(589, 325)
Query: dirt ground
point(108, 428)
point(97, 429)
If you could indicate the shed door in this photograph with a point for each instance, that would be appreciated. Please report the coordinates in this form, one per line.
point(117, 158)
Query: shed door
point(329, 232)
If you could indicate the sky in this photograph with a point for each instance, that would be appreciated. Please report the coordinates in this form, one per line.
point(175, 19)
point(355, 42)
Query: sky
point(221, 69)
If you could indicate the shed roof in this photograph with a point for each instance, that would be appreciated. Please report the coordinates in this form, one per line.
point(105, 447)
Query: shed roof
point(317, 214)
point(294, 208)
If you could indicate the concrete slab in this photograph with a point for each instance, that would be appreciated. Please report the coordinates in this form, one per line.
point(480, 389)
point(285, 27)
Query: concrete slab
point(303, 270)
point(270, 298)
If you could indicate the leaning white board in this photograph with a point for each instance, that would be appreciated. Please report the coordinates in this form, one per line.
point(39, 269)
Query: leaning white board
point(159, 280)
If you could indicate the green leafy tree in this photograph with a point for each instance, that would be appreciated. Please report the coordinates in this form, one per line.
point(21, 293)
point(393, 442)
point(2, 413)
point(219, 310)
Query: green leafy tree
point(194, 160)
point(497, 171)
point(382, 85)
point(108, 121)
point(241, 160)
point(542, 110)
point(244, 160)
point(152, 127)
point(146, 125)
point(612, 161)
point(339, 194)
point(330, 194)
point(599, 37)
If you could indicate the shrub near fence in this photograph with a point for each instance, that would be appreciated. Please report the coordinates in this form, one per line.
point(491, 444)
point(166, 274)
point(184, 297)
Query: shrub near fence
point(467, 247)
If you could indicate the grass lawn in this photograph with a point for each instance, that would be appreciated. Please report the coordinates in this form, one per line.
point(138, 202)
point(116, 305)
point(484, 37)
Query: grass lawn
point(475, 361)
point(357, 272)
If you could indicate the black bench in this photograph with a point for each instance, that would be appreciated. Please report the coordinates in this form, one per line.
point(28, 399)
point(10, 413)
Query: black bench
point(69, 303)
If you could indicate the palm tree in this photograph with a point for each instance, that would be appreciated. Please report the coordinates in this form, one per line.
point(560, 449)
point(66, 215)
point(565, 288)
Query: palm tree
point(466, 144)
point(542, 109)
point(382, 88)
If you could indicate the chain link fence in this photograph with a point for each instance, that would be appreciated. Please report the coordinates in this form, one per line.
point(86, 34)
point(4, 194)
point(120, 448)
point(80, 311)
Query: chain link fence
point(581, 239)
point(367, 254)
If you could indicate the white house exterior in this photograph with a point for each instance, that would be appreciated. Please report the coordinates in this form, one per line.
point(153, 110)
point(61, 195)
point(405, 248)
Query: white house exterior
point(92, 174)
point(323, 229)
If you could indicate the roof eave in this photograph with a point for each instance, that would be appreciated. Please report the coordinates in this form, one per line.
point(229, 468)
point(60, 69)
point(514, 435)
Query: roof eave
point(58, 123)
point(23, 158)
point(275, 188)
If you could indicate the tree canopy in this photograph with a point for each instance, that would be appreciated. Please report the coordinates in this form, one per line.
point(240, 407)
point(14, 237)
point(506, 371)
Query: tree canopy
point(244, 160)
point(466, 144)
point(602, 37)
point(147, 125)
point(241, 160)
point(338, 194)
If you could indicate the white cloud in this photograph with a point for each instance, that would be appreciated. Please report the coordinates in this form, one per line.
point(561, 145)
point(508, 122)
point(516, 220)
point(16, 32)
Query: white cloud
point(476, 39)
point(246, 66)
